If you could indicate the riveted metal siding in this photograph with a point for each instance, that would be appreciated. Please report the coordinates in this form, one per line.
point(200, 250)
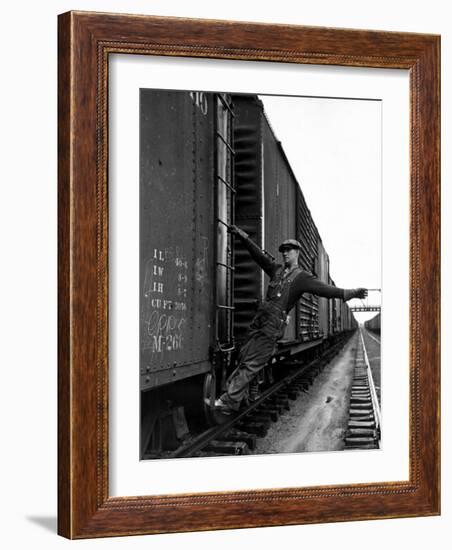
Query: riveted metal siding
point(323, 275)
point(176, 228)
point(308, 305)
point(331, 311)
point(280, 195)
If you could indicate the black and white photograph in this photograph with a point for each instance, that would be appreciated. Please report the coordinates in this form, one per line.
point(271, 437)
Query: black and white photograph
point(260, 274)
point(213, 214)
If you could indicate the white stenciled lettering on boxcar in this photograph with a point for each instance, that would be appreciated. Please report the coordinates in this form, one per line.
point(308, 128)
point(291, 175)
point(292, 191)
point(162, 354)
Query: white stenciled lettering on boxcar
point(166, 332)
point(163, 306)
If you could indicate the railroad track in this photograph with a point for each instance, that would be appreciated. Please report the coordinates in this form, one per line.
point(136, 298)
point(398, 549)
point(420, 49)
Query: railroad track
point(238, 435)
point(364, 425)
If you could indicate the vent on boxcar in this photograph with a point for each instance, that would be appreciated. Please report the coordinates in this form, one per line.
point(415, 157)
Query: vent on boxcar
point(248, 208)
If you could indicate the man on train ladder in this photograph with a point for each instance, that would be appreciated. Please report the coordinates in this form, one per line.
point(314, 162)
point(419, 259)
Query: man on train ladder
point(287, 283)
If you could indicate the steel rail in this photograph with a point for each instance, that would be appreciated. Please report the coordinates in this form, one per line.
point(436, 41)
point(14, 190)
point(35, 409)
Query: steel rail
point(373, 393)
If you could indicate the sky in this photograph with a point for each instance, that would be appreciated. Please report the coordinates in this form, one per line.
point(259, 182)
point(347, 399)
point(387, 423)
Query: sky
point(334, 148)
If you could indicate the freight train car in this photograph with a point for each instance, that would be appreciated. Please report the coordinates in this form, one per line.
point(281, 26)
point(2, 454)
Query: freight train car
point(208, 161)
point(270, 206)
point(185, 252)
point(374, 324)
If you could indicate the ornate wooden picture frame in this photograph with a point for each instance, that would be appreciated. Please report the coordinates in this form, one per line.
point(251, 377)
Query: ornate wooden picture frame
point(86, 40)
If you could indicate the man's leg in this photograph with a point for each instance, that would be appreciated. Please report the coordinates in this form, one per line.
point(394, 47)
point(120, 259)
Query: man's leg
point(254, 355)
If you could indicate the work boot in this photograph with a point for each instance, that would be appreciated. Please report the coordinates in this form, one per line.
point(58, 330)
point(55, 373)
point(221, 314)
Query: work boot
point(220, 406)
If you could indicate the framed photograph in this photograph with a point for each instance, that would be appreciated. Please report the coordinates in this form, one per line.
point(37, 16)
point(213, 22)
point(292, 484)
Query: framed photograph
point(248, 275)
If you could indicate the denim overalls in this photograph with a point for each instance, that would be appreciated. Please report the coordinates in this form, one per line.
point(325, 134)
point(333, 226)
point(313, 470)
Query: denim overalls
point(266, 329)
point(271, 316)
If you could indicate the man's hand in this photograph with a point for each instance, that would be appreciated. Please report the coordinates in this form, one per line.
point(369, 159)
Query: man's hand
point(237, 231)
point(355, 293)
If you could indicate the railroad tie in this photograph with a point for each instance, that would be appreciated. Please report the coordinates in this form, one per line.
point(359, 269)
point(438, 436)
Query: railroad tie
point(258, 428)
point(228, 447)
point(237, 435)
point(282, 402)
point(259, 417)
point(272, 412)
point(361, 432)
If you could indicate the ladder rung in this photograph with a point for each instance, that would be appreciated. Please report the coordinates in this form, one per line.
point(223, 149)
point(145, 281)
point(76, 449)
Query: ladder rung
point(228, 185)
point(226, 143)
point(223, 222)
point(227, 266)
point(226, 104)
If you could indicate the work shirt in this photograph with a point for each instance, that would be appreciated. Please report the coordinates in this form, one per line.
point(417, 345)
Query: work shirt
point(293, 284)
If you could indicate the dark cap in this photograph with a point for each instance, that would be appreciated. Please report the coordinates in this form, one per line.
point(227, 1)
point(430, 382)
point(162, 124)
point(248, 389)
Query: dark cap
point(289, 243)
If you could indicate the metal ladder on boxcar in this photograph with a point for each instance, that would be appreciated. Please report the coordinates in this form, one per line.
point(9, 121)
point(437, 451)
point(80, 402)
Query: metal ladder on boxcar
point(225, 210)
point(224, 273)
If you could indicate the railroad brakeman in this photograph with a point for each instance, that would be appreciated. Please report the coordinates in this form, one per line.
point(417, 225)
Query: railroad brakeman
point(287, 283)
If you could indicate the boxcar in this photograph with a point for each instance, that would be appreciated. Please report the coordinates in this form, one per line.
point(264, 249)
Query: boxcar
point(374, 324)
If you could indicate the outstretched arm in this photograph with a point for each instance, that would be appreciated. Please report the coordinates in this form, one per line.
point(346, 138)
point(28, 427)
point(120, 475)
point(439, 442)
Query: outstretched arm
point(350, 293)
point(306, 282)
point(259, 256)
